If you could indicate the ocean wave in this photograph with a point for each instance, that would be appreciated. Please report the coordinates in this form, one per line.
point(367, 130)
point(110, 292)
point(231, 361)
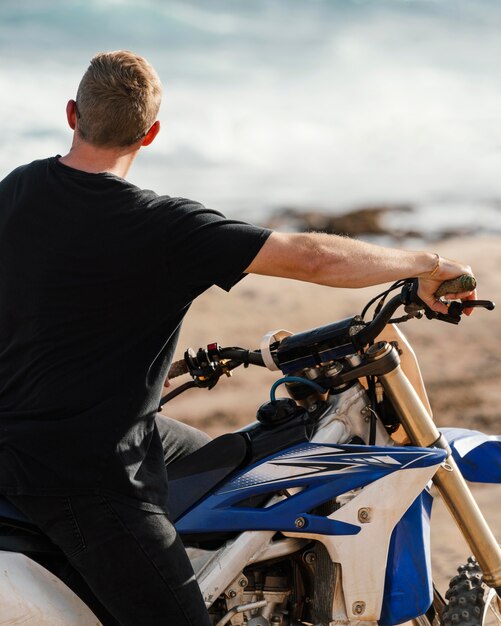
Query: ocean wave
point(276, 103)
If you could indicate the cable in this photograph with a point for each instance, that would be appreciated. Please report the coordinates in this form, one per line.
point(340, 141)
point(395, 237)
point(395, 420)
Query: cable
point(383, 296)
point(179, 390)
point(293, 379)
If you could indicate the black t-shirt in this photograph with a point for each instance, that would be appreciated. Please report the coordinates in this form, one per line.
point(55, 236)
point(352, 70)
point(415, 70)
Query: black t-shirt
point(96, 276)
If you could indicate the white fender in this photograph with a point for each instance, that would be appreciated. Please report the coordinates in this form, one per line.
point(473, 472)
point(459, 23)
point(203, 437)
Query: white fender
point(29, 594)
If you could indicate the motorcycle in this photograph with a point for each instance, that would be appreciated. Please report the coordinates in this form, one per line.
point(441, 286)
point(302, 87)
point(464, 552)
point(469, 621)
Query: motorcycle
point(318, 513)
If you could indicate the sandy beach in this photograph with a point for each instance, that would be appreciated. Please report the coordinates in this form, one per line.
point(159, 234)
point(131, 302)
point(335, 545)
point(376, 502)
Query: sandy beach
point(461, 365)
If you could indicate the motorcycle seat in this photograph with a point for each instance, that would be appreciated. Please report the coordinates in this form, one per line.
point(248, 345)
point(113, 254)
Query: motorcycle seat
point(195, 475)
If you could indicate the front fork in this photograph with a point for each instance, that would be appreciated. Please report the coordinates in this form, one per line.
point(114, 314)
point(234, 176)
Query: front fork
point(448, 479)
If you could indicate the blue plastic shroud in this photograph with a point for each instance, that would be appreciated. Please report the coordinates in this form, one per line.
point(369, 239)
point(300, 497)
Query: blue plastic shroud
point(477, 455)
point(323, 472)
point(408, 588)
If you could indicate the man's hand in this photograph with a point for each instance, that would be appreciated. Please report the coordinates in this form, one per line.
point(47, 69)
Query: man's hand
point(429, 283)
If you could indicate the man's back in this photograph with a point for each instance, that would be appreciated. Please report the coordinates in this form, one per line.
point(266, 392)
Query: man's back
point(92, 293)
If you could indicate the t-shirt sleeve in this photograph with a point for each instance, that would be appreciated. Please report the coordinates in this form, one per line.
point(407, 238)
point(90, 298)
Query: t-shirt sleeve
point(206, 248)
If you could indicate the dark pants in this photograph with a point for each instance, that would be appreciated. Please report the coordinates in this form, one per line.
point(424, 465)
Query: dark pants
point(132, 560)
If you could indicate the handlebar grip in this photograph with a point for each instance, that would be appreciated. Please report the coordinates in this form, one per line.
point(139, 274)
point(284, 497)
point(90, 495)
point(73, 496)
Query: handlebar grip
point(178, 368)
point(463, 283)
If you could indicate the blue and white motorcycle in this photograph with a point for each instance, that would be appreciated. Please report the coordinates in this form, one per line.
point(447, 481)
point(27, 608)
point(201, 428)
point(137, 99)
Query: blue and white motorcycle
point(319, 512)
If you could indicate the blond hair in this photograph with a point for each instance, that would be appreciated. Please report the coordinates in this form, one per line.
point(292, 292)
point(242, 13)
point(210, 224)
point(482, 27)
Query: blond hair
point(117, 100)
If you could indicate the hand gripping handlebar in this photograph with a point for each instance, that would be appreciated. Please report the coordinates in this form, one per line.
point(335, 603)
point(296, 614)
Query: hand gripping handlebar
point(461, 284)
point(415, 306)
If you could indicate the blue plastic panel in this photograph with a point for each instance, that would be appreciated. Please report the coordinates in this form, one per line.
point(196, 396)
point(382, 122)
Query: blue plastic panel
point(408, 590)
point(477, 455)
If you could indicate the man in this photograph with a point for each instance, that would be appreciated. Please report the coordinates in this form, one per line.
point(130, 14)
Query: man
point(96, 276)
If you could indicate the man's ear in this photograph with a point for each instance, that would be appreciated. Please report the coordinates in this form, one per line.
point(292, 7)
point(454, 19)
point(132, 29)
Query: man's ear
point(151, 134)
point(71, 114)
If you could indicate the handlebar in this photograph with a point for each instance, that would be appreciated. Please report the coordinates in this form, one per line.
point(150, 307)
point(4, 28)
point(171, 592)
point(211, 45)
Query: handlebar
point(207, 366)
point(178, 368)
point(461, 284)
point(376, 327)
point(233, 356)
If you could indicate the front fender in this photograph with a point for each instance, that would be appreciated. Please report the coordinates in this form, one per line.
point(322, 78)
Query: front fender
point(477, 455)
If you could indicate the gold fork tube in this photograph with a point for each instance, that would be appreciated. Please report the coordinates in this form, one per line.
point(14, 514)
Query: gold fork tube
point(448, 479)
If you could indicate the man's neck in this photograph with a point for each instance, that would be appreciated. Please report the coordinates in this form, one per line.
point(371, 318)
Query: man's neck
point(94, 160)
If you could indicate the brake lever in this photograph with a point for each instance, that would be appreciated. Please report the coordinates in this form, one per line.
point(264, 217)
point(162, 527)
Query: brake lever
point(415, 307)
point(478, 304)
point(456, 309)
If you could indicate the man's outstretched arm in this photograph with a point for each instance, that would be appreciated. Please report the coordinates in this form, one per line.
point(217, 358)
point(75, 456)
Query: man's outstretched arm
point(337, 261)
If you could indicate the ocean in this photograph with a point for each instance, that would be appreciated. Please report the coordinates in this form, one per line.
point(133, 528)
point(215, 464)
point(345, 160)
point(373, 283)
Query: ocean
point(310, 104)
